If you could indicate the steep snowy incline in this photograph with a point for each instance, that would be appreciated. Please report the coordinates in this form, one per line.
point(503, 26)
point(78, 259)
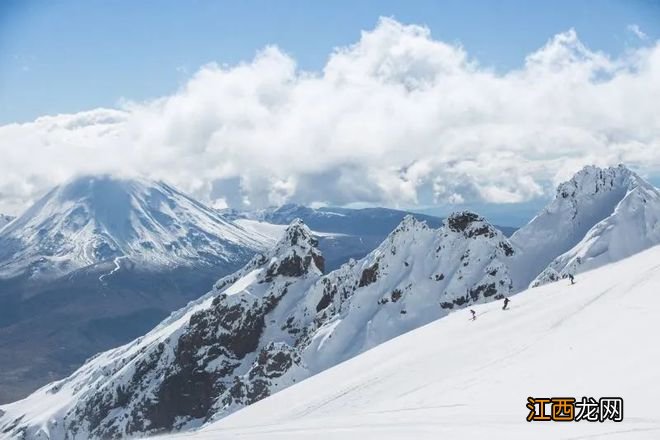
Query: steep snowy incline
point(5, 220)
point(415, 276)
point(270, 325)
point(589, 197)
point(632, 227)
point(462, 379)
point(96, 219)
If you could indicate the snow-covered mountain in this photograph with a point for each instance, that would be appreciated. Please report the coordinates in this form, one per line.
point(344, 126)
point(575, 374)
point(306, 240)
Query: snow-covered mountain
point(598, 216)
point(95, 219)
point(99, 261)
point(464, 380)
point(269, 325)
point(633, 226)
point(5, 219)
point(343, 233)
point(279, 320)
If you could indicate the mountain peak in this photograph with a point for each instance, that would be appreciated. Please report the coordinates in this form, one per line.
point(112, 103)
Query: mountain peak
point(408, 224)
point(591, 180)
point(470, 224)
point(298, 234)
point(294, 254)
point(588, 198)
point(97, 218)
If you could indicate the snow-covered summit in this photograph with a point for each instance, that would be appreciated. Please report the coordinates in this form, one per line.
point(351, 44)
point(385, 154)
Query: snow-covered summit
point(580, 203)
point(632, 226)
point(92, 219)
point(418, 274)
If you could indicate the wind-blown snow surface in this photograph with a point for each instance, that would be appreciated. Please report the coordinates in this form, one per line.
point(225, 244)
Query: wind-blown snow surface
point(5, 220)
point(95, 219)
point(271, 324)
point(462, 379)
point(599, 215)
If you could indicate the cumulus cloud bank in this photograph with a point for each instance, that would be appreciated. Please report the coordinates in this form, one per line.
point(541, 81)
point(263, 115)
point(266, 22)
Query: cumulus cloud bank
point(396, 119)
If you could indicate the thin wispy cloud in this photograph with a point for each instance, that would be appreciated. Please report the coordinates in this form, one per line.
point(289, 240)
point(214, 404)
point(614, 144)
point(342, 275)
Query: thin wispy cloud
point(397, 118)
point(635, 29)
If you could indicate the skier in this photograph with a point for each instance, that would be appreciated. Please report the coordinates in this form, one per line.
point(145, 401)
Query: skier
point(474, 314)
point(572, 278)
point(506, 303)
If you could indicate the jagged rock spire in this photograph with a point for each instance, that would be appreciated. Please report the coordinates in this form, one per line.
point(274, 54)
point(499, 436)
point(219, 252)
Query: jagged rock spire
point(296, 253)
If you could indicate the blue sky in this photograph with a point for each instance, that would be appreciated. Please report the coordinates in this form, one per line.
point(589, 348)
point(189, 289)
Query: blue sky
point(427, 105)
point(67, 56)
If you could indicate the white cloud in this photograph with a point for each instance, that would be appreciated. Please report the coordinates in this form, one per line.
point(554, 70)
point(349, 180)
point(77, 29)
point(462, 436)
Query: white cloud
point(635, 29)
point(398, 118)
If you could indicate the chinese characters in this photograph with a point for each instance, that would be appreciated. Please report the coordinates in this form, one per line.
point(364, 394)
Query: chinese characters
point(568, 409)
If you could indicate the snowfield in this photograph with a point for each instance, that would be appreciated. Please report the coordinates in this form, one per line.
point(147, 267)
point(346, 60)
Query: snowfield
point(462, 379)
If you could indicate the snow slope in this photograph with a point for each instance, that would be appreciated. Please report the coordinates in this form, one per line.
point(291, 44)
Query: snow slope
point(632, 227)
point(95, 219)
point(418, 274)
point(460, 379)
point(570, 221)
point(268, 326)
point(5, 220)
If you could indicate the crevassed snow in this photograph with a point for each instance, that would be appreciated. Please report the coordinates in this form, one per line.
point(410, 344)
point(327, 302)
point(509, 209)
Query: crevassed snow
point(462, 379)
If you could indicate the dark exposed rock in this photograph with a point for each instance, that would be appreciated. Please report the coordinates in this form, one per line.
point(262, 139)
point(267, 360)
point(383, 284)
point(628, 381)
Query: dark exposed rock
point(326, 299)
point(319, 262)
point(484, 290)
point(292, 266)
point(458, 222)
point(369, 275)
point(506, 247)
point(484, 230)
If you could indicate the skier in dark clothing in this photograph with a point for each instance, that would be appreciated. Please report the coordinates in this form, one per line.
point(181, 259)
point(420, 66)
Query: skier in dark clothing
point(506, 303)
point(474, 314)
point(572, 278)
